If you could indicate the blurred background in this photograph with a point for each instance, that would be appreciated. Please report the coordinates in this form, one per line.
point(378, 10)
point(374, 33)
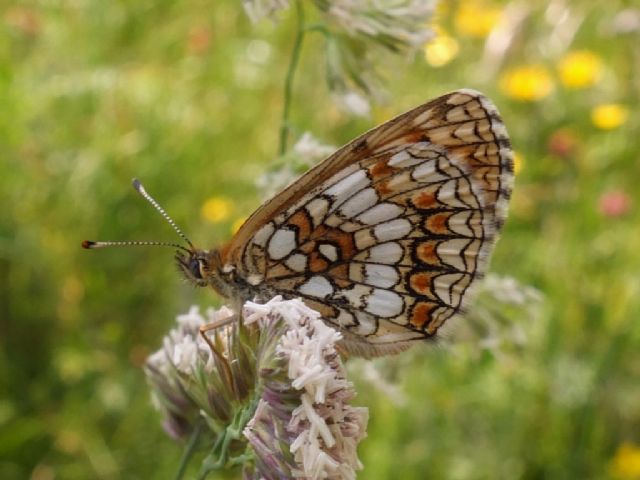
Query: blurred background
point(187, 96)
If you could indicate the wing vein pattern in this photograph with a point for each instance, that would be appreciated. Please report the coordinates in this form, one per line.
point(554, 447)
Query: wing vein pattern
point(387, 236)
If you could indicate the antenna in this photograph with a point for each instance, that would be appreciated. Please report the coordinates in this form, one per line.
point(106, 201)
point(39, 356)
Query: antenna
point(140, 189)
point(91, 245)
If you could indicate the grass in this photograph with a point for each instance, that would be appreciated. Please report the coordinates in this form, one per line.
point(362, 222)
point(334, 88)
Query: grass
point(187, 96)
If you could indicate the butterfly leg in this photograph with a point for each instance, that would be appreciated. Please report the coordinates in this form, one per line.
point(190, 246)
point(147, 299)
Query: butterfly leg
point(222, 322)
point(220, 358)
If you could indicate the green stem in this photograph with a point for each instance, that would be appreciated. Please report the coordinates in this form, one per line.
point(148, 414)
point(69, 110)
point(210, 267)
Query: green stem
point(288, 83)
point(190, 448)
point(219, 456)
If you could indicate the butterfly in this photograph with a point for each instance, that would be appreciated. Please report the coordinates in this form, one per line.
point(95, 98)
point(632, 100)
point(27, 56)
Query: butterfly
point(386, 238)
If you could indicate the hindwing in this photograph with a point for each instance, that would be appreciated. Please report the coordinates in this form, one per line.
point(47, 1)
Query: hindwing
point(386, 237)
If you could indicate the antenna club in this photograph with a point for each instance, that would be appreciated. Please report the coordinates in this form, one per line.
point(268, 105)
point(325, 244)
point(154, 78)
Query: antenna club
point(88, 244)
point(137, 185)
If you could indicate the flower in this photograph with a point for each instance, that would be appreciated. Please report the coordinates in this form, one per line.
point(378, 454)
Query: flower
point(272, 385)
point(580, 69)
point(354, 103)
point(357, 32)
point(306, 152)
point(626, 462)
point(518, 162)
point(503, 314)
point(361, 33)
point(614, 203)
point(310, 150)
point(323, 431)
point(441, 50)
point(563, 143)
point(217, 209)
point(179, 410)
point(527, 83)
point(626, 21)
point(609, 115)
point(398, 25)
point(476, 18)
point(256, 10)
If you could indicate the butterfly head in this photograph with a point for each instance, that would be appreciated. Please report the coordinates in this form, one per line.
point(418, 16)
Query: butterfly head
point(198, 266)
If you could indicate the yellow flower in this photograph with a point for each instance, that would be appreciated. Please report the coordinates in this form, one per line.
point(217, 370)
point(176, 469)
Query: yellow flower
point(626, 462)
point(518, 162)
point(235, 226)
point(476, 18)
point(609, 115)
point(581, 69)
point(217, 209)
point(527, 83)
point(441, 50)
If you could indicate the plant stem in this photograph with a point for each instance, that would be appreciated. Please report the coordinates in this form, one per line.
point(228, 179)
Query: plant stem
point(288, 83)
point(189, 449)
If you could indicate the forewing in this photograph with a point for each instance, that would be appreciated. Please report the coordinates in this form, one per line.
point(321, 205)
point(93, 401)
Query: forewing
point(386, 237)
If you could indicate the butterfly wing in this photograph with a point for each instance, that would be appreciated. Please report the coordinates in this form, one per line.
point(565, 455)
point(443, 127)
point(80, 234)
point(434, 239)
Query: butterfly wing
point(386, 237)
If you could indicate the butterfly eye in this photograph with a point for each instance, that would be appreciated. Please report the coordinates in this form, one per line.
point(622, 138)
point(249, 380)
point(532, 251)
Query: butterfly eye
point(196, 267)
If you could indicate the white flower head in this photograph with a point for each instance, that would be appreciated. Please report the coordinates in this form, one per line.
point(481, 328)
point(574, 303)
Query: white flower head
point(323, 430)
point(310, 150)
point(353, 103)
point(395, 24)
point(504, 315)
point(305, 153)
point(356, 33)
point(256, 10)
point(184, 345)
point(276, 377)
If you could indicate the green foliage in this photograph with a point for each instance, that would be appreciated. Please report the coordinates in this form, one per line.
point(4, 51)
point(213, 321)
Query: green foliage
point(187, 96)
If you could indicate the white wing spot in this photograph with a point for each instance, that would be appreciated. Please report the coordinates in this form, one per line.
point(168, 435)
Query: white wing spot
point(403, 159)
point(384, 303)
point(392, 230)
point(345, 187)
point(317, 209)
point(427, 173)
point(361, 201)
point(282, 243)
point(330, 252)
point(316, 286)
point(382, 276)
point(388, 253)
point(355, 295)
point(262, 235)
point(297, 262)
point(380, 213)
point(366, 324)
